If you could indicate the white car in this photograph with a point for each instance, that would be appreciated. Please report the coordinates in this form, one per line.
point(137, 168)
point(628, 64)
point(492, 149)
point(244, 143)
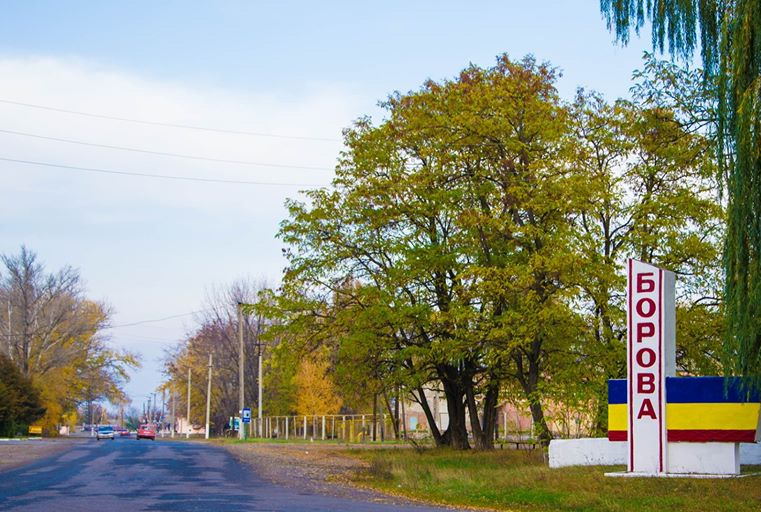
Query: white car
point(105, 433)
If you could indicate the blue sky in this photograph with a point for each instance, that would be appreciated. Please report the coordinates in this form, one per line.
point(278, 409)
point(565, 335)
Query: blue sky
point(150, 248)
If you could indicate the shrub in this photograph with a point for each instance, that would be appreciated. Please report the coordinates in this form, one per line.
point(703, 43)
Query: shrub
point(19, 400)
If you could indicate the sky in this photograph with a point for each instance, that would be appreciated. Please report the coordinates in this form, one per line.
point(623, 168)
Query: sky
point(285, 76)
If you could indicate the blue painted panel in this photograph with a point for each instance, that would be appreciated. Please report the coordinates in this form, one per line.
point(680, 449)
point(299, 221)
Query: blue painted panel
point(688, 390)
point(685, 390)
point(617, 391)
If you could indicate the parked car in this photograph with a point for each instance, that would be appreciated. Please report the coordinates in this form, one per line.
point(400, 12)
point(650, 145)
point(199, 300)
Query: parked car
point(105, 432)
point(121, 431)
point(146, 432)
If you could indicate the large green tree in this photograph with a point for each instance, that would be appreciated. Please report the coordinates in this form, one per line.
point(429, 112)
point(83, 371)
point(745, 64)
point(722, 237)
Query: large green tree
point(728, 33)
point(454, 215)
point(651, 170)
point(474, 240)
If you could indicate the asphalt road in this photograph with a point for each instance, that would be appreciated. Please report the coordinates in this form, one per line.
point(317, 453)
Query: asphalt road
point(131, 475)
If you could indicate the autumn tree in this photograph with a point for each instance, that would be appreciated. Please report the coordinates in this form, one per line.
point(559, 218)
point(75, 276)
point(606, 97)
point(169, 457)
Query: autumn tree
point(315, 391)
point(216, 333)
point(54, 335)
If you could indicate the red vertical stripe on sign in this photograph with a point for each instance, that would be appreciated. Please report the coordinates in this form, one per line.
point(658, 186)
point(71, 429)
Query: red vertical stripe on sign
point(631, 379)
point(662, 368)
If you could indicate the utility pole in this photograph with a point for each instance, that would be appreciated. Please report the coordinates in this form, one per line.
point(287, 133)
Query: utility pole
point(259, 382)
point(187, 434)
point(241, 396)
point(174, 414)
point(163, 406)
point(208, 398)
point(10, 331)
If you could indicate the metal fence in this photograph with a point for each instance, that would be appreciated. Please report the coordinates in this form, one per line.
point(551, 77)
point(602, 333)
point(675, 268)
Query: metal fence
point(355, 428)
point(351, 428)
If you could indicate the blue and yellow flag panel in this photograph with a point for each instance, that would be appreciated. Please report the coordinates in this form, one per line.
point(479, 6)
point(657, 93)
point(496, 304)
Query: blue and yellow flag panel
point(698, 409)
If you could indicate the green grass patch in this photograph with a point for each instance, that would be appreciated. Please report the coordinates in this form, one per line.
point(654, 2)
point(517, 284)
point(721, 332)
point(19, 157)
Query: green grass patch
point(521, 481)
point(301, 440)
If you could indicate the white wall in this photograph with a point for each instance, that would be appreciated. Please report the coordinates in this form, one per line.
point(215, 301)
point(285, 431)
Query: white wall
point(595, 451)
point(750, 453)
point(598, 451)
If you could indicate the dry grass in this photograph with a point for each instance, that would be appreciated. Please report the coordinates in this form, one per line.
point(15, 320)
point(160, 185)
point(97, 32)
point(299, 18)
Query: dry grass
point(510, 480)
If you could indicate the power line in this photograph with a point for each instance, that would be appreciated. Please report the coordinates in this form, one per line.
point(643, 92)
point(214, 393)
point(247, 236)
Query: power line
point(171, 125)
point(164, 153)
point(158, 176)
point(140, 322)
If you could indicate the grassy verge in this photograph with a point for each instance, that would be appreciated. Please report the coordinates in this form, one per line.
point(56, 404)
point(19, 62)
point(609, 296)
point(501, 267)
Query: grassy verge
point(521, 481)
point(309, 442)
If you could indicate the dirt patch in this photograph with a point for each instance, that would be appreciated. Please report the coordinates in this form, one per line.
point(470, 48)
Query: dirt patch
point(14, 453)
point(320, 469)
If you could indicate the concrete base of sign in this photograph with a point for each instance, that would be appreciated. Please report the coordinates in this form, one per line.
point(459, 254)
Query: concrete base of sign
point(708, 458)
point(626, 474)
point(599, 451)
point(697, 460)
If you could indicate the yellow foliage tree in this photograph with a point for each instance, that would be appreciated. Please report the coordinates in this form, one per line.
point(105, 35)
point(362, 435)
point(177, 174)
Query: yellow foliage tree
point(315, 391)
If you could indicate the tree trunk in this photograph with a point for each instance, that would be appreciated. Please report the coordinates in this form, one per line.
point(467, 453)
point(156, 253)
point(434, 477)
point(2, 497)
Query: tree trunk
point(396, 415)
point(457, 432)
point(529, 379)
point(375, 416)
point(541, 430)
point(483, 427)
point(394, 422)
point(438, 438)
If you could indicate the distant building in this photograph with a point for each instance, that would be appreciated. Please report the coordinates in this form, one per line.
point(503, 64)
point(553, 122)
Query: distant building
point(513, 421)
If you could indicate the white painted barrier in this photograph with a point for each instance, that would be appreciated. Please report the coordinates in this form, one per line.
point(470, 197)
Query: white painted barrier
point(598, 451)
point(750, 453)
point(591, 451)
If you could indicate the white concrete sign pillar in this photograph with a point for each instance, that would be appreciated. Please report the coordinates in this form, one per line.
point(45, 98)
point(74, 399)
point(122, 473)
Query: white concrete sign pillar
point(651, 353)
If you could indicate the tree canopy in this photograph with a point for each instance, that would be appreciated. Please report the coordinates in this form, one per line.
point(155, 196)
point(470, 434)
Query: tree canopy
point(474, 239)
point(53, 334)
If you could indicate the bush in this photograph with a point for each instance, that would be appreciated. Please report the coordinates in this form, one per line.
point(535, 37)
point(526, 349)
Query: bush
point(19, 400)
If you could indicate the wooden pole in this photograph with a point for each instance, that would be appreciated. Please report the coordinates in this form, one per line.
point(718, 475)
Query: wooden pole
point(208, 398)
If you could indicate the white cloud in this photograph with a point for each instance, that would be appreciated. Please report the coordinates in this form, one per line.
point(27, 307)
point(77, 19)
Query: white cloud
point(75, 85)
point(149, 246)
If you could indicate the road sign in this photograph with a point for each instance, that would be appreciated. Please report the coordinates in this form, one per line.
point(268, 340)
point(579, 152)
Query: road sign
point(246, 415)
point(651, 354)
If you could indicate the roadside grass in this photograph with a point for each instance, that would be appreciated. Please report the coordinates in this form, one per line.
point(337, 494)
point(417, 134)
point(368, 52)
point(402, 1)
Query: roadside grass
point(521, 481)
point(308, 441)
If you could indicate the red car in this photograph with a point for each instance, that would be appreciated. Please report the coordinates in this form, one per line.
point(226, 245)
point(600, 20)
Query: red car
point(146, 432)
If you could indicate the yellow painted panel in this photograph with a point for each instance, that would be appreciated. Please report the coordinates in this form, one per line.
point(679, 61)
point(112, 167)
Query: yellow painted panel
point(712, 416)
point(618, 417)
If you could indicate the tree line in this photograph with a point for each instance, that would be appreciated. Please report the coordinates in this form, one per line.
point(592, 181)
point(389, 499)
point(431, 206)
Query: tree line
point(55, 358)
point(473, 241)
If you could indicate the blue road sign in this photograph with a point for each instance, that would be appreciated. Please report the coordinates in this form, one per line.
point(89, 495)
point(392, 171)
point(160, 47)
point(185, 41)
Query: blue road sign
point(246, 415)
